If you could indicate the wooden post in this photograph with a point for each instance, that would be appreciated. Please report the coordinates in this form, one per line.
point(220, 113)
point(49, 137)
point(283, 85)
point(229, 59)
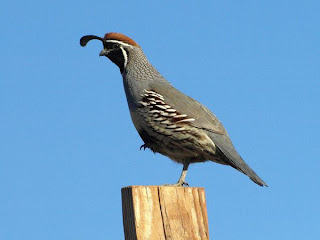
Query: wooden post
point(164, 212)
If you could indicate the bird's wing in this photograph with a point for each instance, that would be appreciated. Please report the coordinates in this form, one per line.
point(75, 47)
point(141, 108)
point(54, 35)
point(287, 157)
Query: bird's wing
point(184, 104)
point(206, 120)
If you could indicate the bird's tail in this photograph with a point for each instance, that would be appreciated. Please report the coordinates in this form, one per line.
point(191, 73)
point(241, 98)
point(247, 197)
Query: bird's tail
point(230, 156)
point(244, 168)
point(241, 166)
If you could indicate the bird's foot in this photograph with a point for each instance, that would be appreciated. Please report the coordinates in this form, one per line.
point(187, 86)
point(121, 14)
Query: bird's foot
point(178, 184)
point(144, 146)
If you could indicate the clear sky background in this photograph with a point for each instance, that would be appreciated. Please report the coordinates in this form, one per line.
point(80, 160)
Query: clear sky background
point(68, 145)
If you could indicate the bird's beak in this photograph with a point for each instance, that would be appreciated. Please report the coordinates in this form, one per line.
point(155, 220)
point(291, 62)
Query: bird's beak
point(104, 52)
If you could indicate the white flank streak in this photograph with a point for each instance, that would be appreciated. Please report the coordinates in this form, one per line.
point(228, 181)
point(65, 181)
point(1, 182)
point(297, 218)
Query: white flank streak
point(159, 119)
point(162, 113)
point(162, 107)
point(171, 110)
point(186, 120)
point(153, 94)
point(162, 102)
point(180, 116)
point(154, 111)
point(143, 103)
point(179, 129)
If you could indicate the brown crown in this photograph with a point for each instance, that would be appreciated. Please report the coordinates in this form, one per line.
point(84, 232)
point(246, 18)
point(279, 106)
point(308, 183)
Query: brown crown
point(120, 37)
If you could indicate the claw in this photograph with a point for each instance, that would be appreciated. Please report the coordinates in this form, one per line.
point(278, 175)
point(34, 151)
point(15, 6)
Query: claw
point(185, 184)
point(144, 146)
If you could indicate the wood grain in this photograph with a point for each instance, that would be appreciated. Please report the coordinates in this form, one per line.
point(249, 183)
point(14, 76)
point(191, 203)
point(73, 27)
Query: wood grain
point(164, 212)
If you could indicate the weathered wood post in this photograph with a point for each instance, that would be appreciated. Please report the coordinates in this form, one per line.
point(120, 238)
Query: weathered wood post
point(164, 212)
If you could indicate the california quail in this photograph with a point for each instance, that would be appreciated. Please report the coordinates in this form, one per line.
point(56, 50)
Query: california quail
point(168, 121)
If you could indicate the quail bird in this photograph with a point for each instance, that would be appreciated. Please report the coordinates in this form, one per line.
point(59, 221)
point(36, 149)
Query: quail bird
point(168, 121)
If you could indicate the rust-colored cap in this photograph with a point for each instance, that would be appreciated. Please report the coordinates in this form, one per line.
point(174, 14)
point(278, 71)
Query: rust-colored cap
point(120, 37)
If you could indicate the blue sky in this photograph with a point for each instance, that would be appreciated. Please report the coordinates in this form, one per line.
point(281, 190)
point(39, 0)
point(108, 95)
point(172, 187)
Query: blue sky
point(68, 144)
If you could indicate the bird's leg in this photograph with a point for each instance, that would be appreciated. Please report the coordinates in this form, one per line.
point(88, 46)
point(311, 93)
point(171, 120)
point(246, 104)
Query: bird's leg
point(181, 181)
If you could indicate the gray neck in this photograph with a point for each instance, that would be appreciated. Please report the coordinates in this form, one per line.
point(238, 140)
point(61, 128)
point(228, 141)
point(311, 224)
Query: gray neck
point(138, 75)
point(140, 68)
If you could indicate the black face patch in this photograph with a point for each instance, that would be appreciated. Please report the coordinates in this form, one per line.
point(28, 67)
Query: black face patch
point(111, 45)
point(116, 54)
point(117, 58)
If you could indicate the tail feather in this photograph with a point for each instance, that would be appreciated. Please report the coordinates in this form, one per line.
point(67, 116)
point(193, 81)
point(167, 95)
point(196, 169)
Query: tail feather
point(231, 157)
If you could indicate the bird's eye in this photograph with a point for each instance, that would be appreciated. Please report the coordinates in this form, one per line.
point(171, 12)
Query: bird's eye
point(116, 45)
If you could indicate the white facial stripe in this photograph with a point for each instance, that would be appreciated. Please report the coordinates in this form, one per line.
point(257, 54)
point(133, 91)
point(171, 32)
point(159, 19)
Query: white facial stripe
point(125, 56)
point(119, 42)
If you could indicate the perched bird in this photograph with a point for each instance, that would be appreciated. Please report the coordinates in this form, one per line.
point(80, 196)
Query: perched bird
point(168, 121)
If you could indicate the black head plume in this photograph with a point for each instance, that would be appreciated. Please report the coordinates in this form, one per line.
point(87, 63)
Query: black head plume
point(85, 39)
